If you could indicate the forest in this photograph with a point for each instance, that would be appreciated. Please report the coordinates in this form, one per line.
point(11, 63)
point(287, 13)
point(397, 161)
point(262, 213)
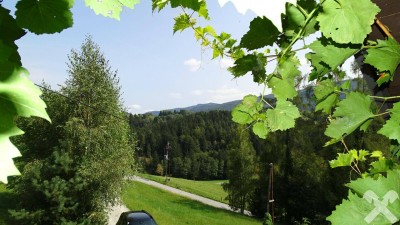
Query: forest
point(204, 144)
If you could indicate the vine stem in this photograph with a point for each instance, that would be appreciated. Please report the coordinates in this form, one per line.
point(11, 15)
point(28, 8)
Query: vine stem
point(384, 98)
point(355, 167)
point(300, 33)
point(384, 28)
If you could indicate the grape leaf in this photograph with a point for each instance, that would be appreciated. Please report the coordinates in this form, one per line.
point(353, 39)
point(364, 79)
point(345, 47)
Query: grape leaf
point(347, 21)
point(18, 96)
point(272, 9)
point(9, 30)
point(391, 129)
point(373, 201)
point(198, 6)
point(283, 116)
point(381, 166)
point(44, 16)
point(262, 33)
point(261, 129)
point(295, 19)
point(326, 96)
point(181, 22)
point(159, 4)
point(395, 111)
point(7, 150)
point(110, 8)
point(284, 87)
point(324, 89)
point(389, 50)
point(326, 104)
point(333, 54)
point(254, 62)
point(343, 159)
point(350, 113)
point(320, 68)
point(245, 112)
point(384, 77)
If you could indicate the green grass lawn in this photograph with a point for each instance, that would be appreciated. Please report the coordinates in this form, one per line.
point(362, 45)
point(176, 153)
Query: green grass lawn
point(170, 209)
point(208, 189)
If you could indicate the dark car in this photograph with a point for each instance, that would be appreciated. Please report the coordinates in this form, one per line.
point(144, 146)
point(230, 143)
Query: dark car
point(136, 218)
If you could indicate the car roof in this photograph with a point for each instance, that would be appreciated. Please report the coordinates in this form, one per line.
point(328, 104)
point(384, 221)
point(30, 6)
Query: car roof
point(137, 215)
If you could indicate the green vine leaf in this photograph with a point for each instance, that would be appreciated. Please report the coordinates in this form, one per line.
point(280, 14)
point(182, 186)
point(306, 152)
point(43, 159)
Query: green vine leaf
point(18, 97)
point(283, 87)
point(182, 22)
point(351, 113)
point(331, 53)
point(9, 33)
point(389, 50)
point(391, 127)
point(283, 116)
point(198, 6)
point(245, 112)
point(343, 159)
point(374, 201)
point(44, 16)
point(7, 150)
point(347, 21)
point(262, 33)
point(110, 8)
point(295, 19)
point(261, 129)
point(326, 96)
point(159, 4)
point(254, 63)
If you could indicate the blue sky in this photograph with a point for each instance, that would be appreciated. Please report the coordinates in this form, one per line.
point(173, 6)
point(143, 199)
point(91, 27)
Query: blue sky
point(157, 69)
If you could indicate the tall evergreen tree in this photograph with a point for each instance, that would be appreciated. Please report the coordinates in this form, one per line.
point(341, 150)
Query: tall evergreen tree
point(83, 172)
point(241, 171)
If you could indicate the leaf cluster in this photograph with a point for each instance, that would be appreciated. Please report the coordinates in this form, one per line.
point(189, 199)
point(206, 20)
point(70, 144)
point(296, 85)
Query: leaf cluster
point(18, 95)
point(344, 26)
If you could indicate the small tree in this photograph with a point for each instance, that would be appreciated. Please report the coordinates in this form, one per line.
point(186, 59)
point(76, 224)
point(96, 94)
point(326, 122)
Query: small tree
point(82, 172)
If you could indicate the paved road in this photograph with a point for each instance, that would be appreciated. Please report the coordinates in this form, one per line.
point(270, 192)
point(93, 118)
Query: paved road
point(117, 210)
point(203, 200)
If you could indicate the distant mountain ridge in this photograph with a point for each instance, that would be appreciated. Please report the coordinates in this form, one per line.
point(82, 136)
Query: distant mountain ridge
point(206, 107)
point(228, 106)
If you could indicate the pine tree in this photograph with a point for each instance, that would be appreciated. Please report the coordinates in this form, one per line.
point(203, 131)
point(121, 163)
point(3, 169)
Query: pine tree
point(241, 171)
point(84, 171)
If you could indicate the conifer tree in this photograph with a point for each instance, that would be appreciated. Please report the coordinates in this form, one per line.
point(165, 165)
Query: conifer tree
point(84, 171)
point(241, 171)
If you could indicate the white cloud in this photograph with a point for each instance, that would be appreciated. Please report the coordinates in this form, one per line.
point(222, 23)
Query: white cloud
point(193, 64)
point(135, 106)
point(226, 62)
point(197, 92)
point(225, 94)
point(272, 9)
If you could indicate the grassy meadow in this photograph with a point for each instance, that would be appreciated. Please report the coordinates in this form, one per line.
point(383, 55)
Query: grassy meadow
point(208, 189)
point(170, 209)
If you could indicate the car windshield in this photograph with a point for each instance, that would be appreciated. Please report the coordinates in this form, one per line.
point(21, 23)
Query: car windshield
point(140, 218)
point(147, 222)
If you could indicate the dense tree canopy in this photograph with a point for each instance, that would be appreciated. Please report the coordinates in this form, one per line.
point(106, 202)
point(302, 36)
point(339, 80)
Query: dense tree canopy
point(74, 168)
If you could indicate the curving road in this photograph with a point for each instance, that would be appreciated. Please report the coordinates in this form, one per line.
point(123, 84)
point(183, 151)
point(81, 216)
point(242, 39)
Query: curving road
point(117, 210)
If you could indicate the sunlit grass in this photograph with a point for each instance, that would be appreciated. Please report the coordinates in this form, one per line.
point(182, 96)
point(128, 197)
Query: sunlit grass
point(171, 209)
point(208, 189)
